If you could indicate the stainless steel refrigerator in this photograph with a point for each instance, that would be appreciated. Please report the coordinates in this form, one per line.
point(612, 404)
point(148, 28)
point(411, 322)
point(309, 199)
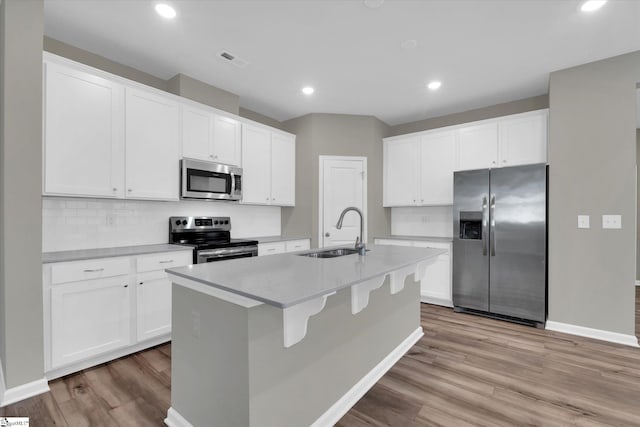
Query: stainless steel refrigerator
point(500, 242)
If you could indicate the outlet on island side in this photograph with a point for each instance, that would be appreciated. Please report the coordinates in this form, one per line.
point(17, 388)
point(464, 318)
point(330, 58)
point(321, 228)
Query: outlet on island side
point(612, 221)
point(195, 324)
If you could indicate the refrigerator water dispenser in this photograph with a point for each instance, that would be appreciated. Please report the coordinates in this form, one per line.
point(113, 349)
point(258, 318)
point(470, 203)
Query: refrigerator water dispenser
point(471, 225)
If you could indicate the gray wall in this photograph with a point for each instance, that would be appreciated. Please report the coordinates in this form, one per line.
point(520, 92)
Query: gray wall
point(513, 107)
point(338, 135)
point(637, 202)
point(21, 345)
point(592, 152)
point(191, 88)
point(257, 117)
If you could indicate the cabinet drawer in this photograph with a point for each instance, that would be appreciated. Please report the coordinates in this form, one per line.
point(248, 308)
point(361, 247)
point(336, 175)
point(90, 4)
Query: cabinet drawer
point(163, 260)
point(65, 272)
point(271, 248)
point(297, 245)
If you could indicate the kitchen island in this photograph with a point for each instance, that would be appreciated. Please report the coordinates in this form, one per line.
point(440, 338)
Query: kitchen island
point(289, 340)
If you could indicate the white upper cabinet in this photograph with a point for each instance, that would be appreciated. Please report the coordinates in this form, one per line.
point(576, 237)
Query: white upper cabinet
point(523, 138)
point(268, 166)
point(401, 171)
point(478, 146)
point(418, 170)
point(518, 139)
point(226, 140)
point(197, 133)
point(283, 170)
point(152, 134)
point(83, 134)
point(210, 137)
point(437, 159)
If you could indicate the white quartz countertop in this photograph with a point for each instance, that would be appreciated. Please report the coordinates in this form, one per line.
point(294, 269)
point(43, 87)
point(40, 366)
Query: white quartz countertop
point(285, 280)
point(418, 238)
point(64, 256)
point(273, 239)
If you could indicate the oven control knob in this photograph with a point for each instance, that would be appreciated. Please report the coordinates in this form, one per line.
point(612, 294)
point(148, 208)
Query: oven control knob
point(216, 222)
point(184, 222)
point(178, 222)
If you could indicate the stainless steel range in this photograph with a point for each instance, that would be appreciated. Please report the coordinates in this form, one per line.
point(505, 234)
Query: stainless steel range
point(210, 237)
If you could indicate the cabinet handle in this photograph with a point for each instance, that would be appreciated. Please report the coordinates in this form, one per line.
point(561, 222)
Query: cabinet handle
point(211, 155)
point(504, 161)
point(215, 157)
point(115, 189)
point(126, 286)
point(166, 262)
point(129, 190)
point(140, 283)
point(273, 198)
point(267, 199)
point(94, 270)
point(271, 249)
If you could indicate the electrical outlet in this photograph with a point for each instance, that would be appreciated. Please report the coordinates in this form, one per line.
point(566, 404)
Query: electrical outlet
point(583, 221)
point(611, 221)
point(195, 324)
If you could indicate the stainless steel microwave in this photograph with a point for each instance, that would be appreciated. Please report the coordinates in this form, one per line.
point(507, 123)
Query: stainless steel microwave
point(210, 181)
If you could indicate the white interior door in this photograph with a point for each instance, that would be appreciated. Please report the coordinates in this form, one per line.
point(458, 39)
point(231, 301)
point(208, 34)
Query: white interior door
point(342, 184)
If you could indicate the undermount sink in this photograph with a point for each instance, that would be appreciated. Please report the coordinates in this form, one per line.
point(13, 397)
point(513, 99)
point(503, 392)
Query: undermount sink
point(330, 253)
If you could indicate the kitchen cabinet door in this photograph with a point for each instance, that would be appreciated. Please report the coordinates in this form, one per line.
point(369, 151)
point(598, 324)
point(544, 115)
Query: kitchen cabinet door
point(256, 165)
point(478, 146)
point(152, 139)
point(197, 133)
point(523, 139)
point(83, 134)
point(437, 160)
point(153, 303)
point(226, 147)
point(401, 171)
point(89, 318)
point(283, 170)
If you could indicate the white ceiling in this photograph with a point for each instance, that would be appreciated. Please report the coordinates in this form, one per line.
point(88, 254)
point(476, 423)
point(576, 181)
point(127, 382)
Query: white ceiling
point(485, 52)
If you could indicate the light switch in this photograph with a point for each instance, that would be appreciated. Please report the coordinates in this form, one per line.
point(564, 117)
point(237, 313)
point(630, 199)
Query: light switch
point(583, 221)
point(611, 221)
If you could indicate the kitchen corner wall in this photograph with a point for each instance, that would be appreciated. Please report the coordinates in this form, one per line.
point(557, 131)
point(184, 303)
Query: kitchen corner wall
point(73, 223)
point(592, 170)
point(335, 135)
point(21, 335)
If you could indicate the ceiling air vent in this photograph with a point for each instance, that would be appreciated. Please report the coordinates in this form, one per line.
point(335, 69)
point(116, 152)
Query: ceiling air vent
point(230, 57)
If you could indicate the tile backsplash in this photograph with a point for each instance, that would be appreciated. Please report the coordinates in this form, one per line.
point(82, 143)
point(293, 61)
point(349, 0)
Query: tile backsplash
point(433, 221)
point(72, 223)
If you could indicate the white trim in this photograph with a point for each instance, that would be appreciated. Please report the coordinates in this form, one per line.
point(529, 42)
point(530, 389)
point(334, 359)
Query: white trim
point(321, 159)
point(351, 397)
point(597, 334)
point(174, 419)
point(21, 392)
point(430, 299)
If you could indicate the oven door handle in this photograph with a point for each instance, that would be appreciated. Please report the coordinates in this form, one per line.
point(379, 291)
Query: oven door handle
point(227, 251)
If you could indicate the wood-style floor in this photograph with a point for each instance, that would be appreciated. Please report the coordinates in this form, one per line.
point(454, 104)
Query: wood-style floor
point(465, 371)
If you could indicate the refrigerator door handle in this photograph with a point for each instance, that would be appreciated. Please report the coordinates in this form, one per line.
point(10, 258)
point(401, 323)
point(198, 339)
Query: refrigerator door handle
point(492, 234)
point(485, 224)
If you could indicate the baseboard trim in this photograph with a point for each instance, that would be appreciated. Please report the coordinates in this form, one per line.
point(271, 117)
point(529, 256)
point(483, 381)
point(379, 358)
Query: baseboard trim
point(428, 299)
point(174, 419)
point(598, 334)
point(351, 397)
point(21, 392)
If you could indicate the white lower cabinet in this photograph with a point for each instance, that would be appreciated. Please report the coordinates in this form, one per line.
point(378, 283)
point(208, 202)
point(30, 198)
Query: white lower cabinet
point(284, 246)
point(435, 287)
point(153, 304)
point(99, 309)
point(89, 318)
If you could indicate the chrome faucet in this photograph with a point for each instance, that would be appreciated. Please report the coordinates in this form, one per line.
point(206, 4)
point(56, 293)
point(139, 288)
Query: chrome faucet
point(360, 246)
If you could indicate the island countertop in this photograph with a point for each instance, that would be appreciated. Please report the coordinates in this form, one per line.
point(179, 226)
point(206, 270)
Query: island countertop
point(288, 279)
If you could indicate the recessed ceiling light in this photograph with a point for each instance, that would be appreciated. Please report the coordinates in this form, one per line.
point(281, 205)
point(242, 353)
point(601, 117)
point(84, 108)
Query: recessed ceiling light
point(373, 4)
point(308, 90)
point(165, 10)
point(434, 85)
point(592, 5)
point(409, 44)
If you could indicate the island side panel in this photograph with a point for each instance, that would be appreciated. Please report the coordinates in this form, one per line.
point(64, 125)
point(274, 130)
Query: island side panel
point(292, 387)
point(209, 375)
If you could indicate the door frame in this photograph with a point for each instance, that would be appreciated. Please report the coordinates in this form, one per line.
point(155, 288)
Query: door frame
point(321, 160)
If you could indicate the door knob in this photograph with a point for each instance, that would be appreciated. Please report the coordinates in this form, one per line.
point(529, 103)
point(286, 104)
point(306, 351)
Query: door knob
point(327, 234)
